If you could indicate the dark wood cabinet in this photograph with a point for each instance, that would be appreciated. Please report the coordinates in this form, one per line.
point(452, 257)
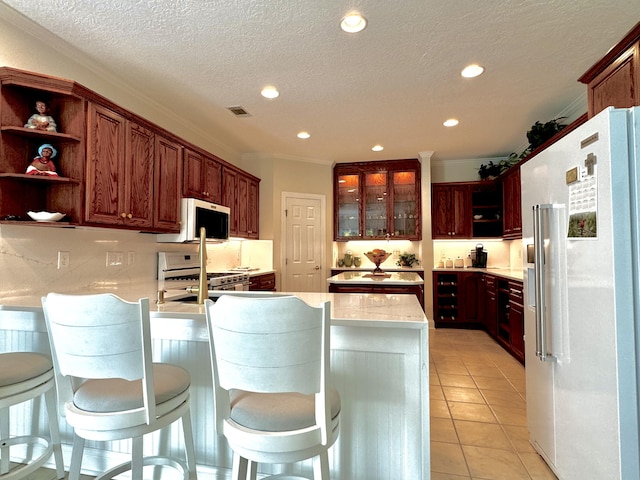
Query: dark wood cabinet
point(446, 303)
point(375, 200)
point(486, 209)
point(201, 176)
point(615, 79)
point(510, 328)
point(451, 210)
point(516, 319)
point(490, 302)
point(265, 282)
point(511, 195)
point(115, 169)
point(19, 192)
point(241, 193)
point(417, 290)
point(124, 180)
point(466, 210)
point(470, 296)
point(167, 184)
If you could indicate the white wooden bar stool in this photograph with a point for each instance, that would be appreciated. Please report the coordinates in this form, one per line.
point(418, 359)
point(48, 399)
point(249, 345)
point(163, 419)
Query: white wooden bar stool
point(270, 365)
point(25, 376)
point(101, 347)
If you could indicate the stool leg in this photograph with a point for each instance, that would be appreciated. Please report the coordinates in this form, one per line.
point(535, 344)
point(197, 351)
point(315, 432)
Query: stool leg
point(136, 458)
point(76, 457)
point(252, 470)
point(54, 429)
point(4, 435)
point(189, 446)
point(321, 467)
point(240, 467)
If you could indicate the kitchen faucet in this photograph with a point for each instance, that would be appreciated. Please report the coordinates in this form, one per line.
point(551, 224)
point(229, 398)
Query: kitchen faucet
point(203, 289)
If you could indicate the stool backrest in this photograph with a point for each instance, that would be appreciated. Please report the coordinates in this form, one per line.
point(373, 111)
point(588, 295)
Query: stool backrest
point(100, 336)
point(269, 345)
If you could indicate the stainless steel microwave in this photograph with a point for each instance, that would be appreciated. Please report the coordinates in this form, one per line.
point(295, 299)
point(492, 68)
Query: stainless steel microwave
point(195, 213)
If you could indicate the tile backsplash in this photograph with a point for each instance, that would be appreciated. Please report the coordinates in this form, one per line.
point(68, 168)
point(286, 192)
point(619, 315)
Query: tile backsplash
point(29, 259)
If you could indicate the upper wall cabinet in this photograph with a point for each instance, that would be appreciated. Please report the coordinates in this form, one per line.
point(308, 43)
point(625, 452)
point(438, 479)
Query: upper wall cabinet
point(375, 200)
point(462, 210)
point(119, 187)
point(113, 168)
point(615, 79)
point(240, 192)
point(133, 174)
point(511, 195)
point(202, 176)
point(451, 210)
point(22, 136)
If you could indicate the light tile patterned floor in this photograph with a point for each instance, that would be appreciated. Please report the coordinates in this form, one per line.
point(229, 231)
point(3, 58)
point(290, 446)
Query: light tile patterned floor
point(478, 411)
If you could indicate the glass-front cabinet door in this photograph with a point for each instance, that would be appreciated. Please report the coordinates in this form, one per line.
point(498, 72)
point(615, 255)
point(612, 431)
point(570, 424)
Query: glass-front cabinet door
point(376, 200)
point(375, 206)
point(348, 206)
point(405, 211)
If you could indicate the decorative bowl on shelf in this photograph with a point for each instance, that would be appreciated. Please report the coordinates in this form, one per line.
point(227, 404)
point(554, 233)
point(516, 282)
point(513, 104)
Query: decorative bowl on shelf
point(377, 257)
point(477, 217)
point(46, 216)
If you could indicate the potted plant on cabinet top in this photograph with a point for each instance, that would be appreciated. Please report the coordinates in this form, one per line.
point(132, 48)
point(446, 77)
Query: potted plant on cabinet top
point(537, 135)
point(407, 260)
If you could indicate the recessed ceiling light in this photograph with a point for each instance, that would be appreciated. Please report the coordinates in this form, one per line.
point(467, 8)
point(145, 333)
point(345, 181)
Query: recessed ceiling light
point(270, 92)
point(471, 71)
point(353, 23)
point(304, 135)
point(377, 148)
point(452, 122)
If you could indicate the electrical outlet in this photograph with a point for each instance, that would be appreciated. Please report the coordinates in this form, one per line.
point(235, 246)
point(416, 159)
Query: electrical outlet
point(115, 259)
point(64, 258)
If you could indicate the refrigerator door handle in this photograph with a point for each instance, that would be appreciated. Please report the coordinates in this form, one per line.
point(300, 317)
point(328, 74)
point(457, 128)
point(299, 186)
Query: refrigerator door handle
point(539, 279)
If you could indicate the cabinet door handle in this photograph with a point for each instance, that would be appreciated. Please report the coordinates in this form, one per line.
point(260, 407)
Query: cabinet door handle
point(123, 215)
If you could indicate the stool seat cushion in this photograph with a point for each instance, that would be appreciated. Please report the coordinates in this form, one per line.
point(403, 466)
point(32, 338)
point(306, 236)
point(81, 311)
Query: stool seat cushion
point(277, 412)
point(16, 367)
point(116, 395)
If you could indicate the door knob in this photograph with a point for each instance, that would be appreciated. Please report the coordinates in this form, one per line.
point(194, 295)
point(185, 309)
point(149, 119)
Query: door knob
point(317, 267)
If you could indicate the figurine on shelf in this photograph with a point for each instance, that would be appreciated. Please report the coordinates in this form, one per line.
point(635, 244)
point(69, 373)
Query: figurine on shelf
point(41, 120)
point(43, 163)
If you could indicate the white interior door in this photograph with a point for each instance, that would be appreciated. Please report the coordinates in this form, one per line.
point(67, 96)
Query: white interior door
point(303, 243)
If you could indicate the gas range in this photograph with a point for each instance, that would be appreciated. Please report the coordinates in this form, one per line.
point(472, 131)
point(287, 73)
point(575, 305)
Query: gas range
point(177, 272)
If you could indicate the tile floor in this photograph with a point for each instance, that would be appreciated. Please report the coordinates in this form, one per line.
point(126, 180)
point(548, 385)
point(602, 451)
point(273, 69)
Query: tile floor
point(478, 411)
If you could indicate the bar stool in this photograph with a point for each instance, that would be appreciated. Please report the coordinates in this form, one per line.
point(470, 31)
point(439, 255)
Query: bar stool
point(270, 360)
point(25, 376)
point(111, 389)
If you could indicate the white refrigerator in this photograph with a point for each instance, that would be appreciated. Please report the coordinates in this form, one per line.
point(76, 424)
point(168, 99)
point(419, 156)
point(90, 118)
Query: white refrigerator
point(581, 249)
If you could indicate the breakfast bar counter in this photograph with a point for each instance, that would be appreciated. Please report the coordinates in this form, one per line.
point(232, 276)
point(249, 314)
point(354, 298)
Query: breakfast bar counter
point(379, 363)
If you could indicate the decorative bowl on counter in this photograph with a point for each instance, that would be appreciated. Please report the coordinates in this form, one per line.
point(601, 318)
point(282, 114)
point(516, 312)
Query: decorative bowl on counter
point(46, 216)
point(378, 257)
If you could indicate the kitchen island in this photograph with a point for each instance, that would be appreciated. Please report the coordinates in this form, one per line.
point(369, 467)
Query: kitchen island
point(397, 283)
point(379, 363)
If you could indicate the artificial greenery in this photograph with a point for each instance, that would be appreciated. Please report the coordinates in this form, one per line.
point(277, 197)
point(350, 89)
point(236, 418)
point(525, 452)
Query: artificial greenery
point(407, 260)
point(539, 133)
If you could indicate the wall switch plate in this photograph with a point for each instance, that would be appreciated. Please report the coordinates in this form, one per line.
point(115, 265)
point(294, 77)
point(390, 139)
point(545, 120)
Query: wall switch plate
point(64, 258)
point(115, 259)
point(131, 258)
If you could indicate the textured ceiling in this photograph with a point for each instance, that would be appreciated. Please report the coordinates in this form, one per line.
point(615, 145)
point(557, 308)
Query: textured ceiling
point(393, 84)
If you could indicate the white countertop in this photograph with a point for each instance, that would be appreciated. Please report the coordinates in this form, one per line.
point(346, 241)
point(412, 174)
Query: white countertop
point(367, 278)
point(506, 272)
point(347, 309)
